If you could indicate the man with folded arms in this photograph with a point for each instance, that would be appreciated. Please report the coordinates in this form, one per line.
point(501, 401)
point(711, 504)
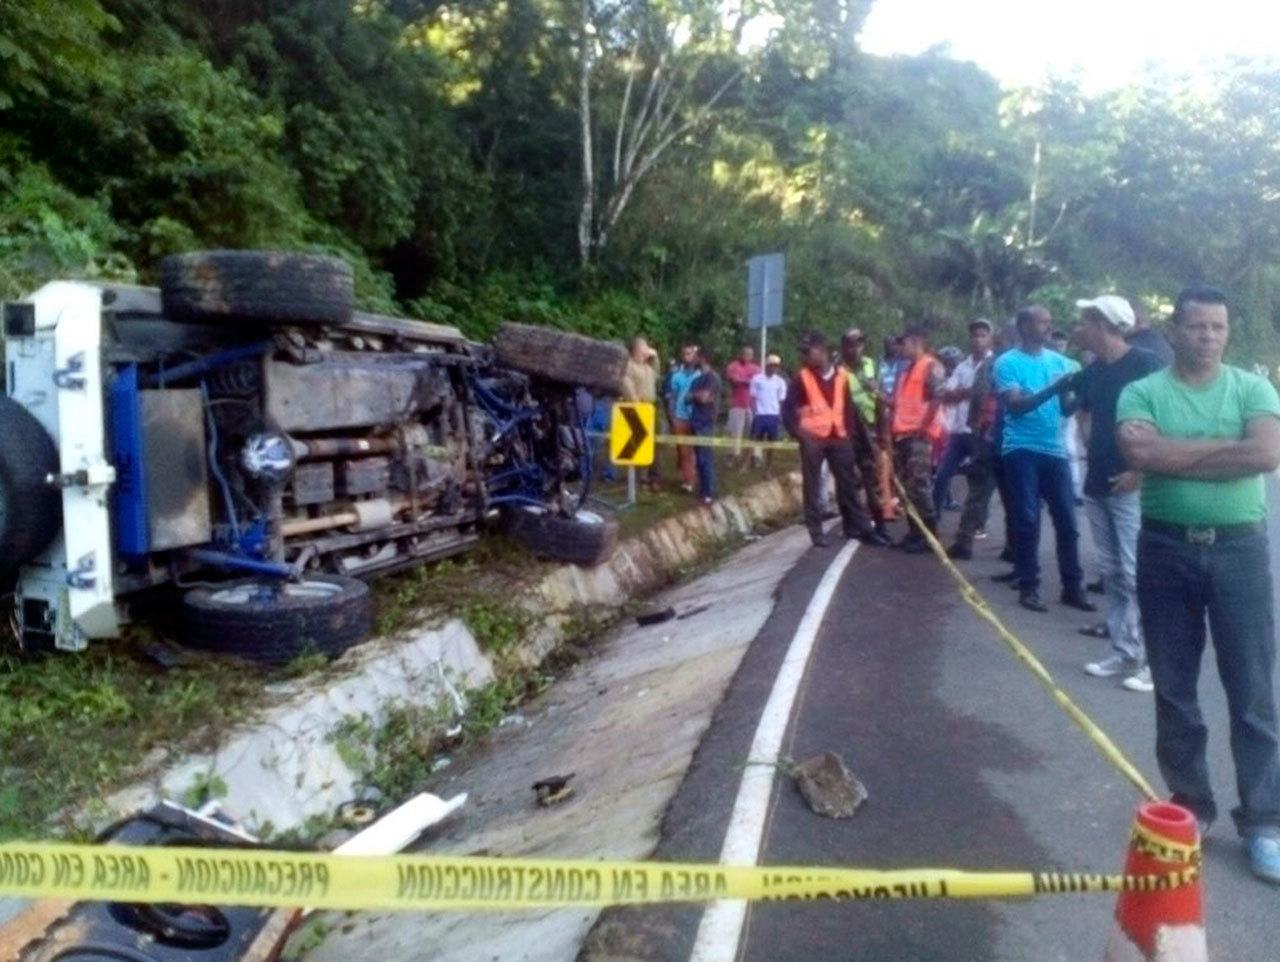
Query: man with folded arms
point(1203, 434)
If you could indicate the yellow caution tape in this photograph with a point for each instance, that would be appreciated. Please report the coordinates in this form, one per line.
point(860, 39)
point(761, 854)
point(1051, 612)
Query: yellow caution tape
point(703, 441)
point(1162, 848)
point(343, 882)
point(978, 603)
point(707, 441)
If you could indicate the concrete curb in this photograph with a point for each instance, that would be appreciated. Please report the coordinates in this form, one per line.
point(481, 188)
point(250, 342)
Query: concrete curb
point(284, 767)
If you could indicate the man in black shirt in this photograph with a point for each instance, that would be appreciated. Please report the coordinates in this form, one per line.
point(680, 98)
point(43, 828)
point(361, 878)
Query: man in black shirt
point(1145, 336)
point(1110, 487)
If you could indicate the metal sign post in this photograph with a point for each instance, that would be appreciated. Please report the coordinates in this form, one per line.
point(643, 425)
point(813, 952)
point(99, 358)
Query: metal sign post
point(631, 439)
point(766, 287)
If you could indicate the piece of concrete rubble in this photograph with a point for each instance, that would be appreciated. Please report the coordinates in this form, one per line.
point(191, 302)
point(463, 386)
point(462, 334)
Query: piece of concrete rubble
point(828, 786)
point(554, 790)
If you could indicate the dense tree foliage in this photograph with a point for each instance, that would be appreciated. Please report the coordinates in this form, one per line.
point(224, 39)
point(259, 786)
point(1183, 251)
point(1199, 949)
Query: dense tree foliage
point(610, 164)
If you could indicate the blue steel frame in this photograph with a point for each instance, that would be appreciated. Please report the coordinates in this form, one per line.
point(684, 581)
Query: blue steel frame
point(525, 483)
point(129, 495)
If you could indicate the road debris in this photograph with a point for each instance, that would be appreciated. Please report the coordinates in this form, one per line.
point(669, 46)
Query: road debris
point(655, 616)
point(689, 613)
point(334, 838)
point(829, 787)
point(357, 813)
point(553, 790)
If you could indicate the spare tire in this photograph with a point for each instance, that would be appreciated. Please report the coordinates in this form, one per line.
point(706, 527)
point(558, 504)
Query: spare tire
point(30, 510)
point(275, 622)
point(562, 357)
point(586, 539)
point(274, 287)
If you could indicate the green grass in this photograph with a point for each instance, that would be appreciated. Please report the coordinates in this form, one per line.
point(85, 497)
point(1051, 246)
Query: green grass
point(653, 506)
point(395, 756)
point(497, 567)
point(72, 727)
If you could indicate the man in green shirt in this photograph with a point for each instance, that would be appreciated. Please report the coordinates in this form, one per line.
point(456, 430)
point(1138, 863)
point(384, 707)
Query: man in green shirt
point(865, 397)
point(1203, 434)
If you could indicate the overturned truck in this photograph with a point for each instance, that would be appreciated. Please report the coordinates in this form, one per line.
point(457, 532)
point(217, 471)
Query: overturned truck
point(245, 444)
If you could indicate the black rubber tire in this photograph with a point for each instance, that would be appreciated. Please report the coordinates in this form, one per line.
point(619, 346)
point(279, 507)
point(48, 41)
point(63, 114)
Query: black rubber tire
point(244, 287)
point(562, 357)
point(30, 510)
point(278, 630)
point(587, 539)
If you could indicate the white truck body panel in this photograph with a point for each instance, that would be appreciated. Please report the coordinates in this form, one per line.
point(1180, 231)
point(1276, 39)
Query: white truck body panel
point(56, 374)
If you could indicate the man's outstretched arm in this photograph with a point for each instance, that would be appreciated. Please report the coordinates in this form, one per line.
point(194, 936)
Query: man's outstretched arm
point(1019, 403)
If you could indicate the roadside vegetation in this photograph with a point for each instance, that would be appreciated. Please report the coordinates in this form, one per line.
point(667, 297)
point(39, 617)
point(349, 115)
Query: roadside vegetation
point(75, 727)
point(608, 165)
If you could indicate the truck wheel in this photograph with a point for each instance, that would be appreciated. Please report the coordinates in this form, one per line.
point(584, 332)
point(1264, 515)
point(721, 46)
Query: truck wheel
point(586, 539)
point(276, 622)
point(561, 357)
point(248, 286)
point(30, 510)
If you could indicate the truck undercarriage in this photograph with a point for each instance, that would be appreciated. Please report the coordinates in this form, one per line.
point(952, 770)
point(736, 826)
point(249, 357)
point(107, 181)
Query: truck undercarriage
point(244, 435)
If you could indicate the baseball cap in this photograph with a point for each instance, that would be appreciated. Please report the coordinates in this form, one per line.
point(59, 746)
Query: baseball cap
point(1114, 308)
point(773, 359)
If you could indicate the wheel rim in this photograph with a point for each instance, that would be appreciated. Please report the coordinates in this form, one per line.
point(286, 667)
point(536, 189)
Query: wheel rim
point(243, 594)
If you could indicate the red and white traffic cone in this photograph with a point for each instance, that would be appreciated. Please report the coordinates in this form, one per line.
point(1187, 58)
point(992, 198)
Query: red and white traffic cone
point(1163, 922)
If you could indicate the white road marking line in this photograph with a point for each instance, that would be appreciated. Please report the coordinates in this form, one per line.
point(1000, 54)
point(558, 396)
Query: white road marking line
point(720, 930)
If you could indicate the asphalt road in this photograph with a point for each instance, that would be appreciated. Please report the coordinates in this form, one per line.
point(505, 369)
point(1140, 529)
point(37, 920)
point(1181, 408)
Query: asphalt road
point(968, 763)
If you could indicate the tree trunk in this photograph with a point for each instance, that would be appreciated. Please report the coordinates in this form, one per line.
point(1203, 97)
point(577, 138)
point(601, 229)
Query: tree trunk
point(587, 213)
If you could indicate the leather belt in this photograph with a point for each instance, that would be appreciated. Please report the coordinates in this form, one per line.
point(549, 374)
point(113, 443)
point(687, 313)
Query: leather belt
point(1204, 534)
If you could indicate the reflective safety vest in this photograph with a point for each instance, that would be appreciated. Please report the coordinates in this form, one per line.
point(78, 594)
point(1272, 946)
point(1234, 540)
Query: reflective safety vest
point(910, 403)
point(863, 399)
point(820, 419)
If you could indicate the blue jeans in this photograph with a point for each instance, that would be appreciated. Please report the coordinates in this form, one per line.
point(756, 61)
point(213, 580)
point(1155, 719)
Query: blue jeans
point(1114, 520)
point(705, 459)
point(598, 423)
point(1228, 583)
point(959, 447)
point(1032, 476)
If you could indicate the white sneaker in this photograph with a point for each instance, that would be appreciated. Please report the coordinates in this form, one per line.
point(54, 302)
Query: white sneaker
point(1110, 667)
point(1139, 681)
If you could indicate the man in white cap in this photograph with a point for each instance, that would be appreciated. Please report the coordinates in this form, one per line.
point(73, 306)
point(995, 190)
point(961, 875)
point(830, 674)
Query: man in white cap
point(768, 391)
point(1111, 499)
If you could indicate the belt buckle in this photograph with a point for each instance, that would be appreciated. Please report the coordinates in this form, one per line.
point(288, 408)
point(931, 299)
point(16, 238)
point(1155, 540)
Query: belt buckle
point(1201, 536)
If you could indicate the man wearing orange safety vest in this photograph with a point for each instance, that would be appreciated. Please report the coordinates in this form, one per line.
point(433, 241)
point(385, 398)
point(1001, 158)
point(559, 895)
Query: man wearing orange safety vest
point(915, 426)
point(818, 413)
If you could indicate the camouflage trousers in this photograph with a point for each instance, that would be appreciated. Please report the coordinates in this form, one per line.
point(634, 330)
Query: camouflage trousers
point(913, 463)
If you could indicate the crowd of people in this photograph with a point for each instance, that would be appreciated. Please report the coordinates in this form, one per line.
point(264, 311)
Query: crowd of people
point(1161, 444)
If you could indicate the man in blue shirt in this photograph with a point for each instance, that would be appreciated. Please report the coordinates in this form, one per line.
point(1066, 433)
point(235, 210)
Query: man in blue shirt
point(680, 387)
point(1031, 380)
point(704, 407)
